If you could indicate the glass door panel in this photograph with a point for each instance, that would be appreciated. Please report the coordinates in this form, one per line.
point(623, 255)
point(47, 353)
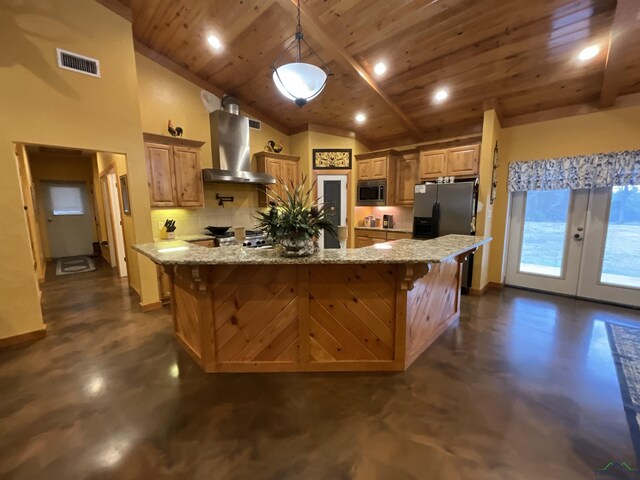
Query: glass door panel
point(611, 260)
point(544, 232)
point(545, 239)
point(621, 260)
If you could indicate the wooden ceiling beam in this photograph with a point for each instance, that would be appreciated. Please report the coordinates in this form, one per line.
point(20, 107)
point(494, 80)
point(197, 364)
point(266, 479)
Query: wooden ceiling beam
point(625, 31)
point(624, 101)
point(116, 7)
point(493, 104)
point(195, 79)
point(318, 33)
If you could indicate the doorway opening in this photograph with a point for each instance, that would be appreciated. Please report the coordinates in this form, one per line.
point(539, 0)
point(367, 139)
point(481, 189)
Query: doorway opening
point(583, 243)
point(72, 208)
point(333, 190)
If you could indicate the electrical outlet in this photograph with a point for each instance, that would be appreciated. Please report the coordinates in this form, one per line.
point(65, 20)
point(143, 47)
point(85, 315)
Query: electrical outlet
point(160, 225)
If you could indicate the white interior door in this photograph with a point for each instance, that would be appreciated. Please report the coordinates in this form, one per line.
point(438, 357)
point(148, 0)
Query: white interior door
point(69, 219)
point(611, 256)
point(544, 252)
point(117, 224)
point(332, 189)
point(584, 243)
point(106, 203)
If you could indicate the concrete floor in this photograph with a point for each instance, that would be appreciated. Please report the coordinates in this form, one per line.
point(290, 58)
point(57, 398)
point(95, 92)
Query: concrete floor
point(523, 388)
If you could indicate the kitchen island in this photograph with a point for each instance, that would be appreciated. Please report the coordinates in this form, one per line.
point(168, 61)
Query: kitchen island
point(368, 309)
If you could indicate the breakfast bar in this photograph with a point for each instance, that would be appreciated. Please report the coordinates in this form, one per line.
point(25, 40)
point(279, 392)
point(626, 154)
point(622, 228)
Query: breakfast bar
point(368, 309)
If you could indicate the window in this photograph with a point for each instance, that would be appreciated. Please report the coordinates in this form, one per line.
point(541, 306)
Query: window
point(67, 199)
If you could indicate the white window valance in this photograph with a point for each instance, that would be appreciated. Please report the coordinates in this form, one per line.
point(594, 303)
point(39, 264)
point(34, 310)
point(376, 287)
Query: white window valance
point(585, 171)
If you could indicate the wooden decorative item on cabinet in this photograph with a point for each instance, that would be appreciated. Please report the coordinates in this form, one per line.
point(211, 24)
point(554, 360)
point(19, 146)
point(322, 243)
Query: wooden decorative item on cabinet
point(173, 171)
point(406, 177)
point(455, 162)
point(281, 166)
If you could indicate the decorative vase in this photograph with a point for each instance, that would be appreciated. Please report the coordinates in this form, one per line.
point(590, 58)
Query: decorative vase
point(296, 246)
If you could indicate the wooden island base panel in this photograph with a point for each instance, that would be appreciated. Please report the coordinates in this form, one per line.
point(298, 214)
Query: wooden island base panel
point(292, 318)
point(367, 309)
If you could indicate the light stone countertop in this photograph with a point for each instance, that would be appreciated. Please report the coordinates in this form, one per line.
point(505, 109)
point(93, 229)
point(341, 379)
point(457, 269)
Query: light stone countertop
point(196, 237)
point(399, 251)
point(382, 229)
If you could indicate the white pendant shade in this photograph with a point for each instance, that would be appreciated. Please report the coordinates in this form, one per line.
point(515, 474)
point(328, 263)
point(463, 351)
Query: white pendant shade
point(299, 82)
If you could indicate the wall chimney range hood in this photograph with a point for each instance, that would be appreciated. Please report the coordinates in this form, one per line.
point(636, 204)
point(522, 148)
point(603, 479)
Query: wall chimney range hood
point(230, 148)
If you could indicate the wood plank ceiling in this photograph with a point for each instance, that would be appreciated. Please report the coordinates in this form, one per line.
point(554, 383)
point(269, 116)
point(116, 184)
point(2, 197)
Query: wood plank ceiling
point(522, 53)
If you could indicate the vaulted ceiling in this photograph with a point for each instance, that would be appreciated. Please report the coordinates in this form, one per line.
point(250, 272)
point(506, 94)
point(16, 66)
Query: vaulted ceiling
point(519, 54)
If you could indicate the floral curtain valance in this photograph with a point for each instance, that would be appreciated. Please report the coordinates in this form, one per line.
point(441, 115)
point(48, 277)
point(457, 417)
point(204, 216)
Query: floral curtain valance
point(586, 171)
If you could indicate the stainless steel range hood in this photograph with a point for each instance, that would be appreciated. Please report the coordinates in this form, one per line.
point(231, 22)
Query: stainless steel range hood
point(230, 149)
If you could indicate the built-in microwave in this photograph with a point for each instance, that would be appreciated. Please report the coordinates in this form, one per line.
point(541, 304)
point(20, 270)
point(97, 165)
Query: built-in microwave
point(372, 192)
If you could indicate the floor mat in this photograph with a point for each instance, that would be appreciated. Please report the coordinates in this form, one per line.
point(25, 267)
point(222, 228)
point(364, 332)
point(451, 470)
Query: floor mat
point(69, 265)
point(625, 345)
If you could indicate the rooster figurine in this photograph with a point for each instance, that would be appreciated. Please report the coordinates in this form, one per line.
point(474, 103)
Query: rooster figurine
point(272, 147)
point(175, 132)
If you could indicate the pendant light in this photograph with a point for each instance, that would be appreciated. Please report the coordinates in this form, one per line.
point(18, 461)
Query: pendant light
point(300, 81)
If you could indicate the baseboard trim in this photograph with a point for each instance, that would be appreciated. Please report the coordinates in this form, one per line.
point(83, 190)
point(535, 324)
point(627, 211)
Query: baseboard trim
point(475, 292)
point(151, 306)
point(23, 337)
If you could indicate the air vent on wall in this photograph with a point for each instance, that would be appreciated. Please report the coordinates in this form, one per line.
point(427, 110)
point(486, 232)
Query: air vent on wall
point(78, 63)
point(255, 124)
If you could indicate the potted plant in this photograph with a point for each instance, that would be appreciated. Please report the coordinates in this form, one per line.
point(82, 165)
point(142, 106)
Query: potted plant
point(294, 220)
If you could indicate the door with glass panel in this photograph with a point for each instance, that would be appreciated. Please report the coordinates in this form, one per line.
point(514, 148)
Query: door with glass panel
point(610, 269)
point(545, 239)
point(577, 242)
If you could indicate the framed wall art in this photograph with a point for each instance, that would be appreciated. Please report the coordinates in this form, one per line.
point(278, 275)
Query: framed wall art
point(332, 158)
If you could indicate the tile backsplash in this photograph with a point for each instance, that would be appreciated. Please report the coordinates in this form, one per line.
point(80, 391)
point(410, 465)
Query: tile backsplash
point(193, 221)
point(402, 216)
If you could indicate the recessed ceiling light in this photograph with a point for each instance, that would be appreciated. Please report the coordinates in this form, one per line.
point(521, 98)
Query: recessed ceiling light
point(380, 68)
point(360, 117)
point(214, 42)
point(589, 52)
point(441, 95)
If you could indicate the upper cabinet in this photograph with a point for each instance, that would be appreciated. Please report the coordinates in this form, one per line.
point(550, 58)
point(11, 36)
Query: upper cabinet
point(452, 162)
point(464, 161)
point(407, 167)
point(433, 163)
point(173, 171)
point(379, 165)
point(281, 166)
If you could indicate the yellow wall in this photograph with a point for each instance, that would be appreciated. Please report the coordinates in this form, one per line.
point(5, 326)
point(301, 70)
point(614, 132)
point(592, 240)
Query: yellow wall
point(607, 131)
point(303, 144)
point(51, 106)
point(59, 167)
point(104, 161)
point(490, 135)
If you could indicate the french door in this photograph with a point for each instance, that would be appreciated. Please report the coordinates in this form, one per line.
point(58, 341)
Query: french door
point(584, 243)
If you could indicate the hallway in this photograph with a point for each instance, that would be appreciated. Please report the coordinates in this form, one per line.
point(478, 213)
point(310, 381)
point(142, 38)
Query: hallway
point(524, 388)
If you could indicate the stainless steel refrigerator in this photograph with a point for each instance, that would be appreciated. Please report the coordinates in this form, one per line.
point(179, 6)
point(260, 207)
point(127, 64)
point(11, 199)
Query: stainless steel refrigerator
point(445, 208)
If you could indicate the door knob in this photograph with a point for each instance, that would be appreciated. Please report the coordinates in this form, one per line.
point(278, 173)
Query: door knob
point(49, 220)
point(578, 236)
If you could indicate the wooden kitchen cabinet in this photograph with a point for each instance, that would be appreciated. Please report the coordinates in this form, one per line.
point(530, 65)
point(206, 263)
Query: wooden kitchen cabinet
point(365, 237)
point(373, 168)
point(452, 162)
point(283, 167)
point(379, 168)
point(463, 161)
point(407, 176)
point(433, 164)
point(173, 171)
